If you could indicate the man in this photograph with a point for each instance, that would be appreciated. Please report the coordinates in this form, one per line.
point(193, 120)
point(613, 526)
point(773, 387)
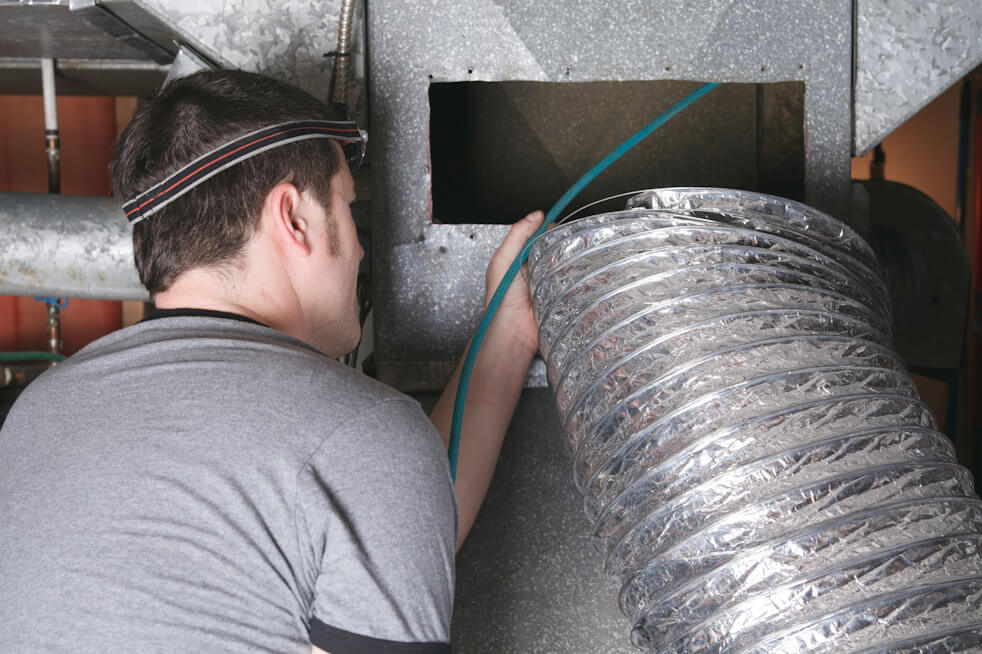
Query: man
point(211, 479)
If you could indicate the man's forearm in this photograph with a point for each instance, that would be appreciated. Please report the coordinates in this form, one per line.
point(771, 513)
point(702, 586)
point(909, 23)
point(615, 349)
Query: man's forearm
point(496, 380)
point(495, 387)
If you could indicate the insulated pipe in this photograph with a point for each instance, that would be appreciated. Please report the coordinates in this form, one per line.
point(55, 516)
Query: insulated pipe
point(759, 470)
point(66, 246)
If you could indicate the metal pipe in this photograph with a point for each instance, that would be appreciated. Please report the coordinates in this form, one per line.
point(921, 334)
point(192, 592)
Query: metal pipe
point(20, 375)
point(66, 246)
point(12, 376)
point(53, 152)
point(54, 328)
point(342, 58)
point(760, 472)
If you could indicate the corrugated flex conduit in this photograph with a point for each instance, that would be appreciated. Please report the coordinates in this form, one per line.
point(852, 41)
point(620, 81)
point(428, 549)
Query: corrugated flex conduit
point(761, 474)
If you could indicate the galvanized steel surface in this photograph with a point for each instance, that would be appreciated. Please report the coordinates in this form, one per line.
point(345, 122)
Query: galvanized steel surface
point(759, 470)
point(527, 577)
point(907, 53)
point(285, 40)
point(66, 246)
point(55, 31)
point(415, 44)
point(21, 76)
point(187, 62)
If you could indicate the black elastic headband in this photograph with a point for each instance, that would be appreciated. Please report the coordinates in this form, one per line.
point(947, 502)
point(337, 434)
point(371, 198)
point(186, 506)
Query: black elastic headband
point(239, 149)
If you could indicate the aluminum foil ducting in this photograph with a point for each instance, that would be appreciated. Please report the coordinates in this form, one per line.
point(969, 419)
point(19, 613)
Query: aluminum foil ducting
point(761, 474)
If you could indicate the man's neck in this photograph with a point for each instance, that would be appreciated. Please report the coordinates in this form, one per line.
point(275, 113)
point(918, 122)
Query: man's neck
point(210, 290)
point(157, 313)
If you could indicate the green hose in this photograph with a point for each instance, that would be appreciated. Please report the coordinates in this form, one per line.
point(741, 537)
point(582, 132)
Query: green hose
point(28, 356)
point(482, 327)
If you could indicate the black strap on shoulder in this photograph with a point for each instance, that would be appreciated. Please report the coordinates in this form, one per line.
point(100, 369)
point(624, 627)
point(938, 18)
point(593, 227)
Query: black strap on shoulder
point(338, 641)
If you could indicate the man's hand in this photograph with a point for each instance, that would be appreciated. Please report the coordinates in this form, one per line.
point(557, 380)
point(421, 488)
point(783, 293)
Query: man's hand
point(496, 381)
point(516, 307)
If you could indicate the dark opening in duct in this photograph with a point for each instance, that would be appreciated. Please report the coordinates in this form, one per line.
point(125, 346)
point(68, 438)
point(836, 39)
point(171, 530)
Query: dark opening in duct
point(498, 149)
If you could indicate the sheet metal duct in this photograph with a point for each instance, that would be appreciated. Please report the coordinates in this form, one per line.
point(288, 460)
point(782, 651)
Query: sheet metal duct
point(908, 52)
point(66, 246)
point(286, 40)
point(420, 330)
point(106, 48)
point(115, 30)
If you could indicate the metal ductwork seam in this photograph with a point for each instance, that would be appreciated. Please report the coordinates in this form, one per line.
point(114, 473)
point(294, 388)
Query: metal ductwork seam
point(760, 472)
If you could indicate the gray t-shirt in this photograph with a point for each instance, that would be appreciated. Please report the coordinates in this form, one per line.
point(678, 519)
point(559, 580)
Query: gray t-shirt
point(204, 484)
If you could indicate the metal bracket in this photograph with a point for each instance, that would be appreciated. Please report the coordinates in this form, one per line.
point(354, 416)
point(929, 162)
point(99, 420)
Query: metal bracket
point(188, 61)
point(101, 16)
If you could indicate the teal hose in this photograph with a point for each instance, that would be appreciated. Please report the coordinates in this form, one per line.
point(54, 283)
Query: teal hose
point(492, 308)
point(28, 356)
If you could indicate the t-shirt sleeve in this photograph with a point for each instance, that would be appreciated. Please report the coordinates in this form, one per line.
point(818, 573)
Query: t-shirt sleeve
point(376, 525)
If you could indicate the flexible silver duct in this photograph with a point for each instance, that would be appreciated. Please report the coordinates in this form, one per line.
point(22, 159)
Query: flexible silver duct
point(759, 470)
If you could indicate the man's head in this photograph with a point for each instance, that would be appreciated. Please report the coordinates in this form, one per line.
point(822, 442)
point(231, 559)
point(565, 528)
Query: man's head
point(274, 229)
point(210, 224)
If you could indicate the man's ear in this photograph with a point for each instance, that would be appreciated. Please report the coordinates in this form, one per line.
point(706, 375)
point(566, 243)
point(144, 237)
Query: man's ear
point(283, 218)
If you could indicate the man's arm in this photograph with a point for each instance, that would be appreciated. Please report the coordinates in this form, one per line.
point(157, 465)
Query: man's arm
point(496, 381)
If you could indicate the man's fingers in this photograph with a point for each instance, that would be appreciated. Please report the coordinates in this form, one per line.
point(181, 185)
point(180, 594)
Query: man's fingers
point(516, 238)
point(519, 233)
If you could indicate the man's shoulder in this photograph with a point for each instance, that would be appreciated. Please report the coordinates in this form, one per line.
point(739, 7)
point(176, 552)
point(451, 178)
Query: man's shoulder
point(338, 386)
point(290, 369)
point(219, 355)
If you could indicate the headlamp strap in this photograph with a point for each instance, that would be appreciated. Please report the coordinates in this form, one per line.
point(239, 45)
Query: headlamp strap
point(249, 145)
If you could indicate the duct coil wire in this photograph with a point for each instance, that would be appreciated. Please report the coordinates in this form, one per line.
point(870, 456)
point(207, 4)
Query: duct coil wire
point(761, 474)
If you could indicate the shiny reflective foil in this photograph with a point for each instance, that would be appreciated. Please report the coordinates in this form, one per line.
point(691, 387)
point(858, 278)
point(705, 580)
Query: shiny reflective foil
point(760, 472)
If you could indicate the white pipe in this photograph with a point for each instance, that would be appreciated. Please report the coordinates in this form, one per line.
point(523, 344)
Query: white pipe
point(52, 145)
point(48, 89)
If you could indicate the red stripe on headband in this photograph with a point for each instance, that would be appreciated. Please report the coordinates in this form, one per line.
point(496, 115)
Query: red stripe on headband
point(230, 153)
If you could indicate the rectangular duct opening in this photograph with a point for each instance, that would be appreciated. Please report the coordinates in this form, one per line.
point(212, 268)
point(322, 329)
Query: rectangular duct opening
point(501, 149)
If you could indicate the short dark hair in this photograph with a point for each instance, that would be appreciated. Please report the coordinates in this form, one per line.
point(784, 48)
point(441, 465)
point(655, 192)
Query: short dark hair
point(211, 224)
